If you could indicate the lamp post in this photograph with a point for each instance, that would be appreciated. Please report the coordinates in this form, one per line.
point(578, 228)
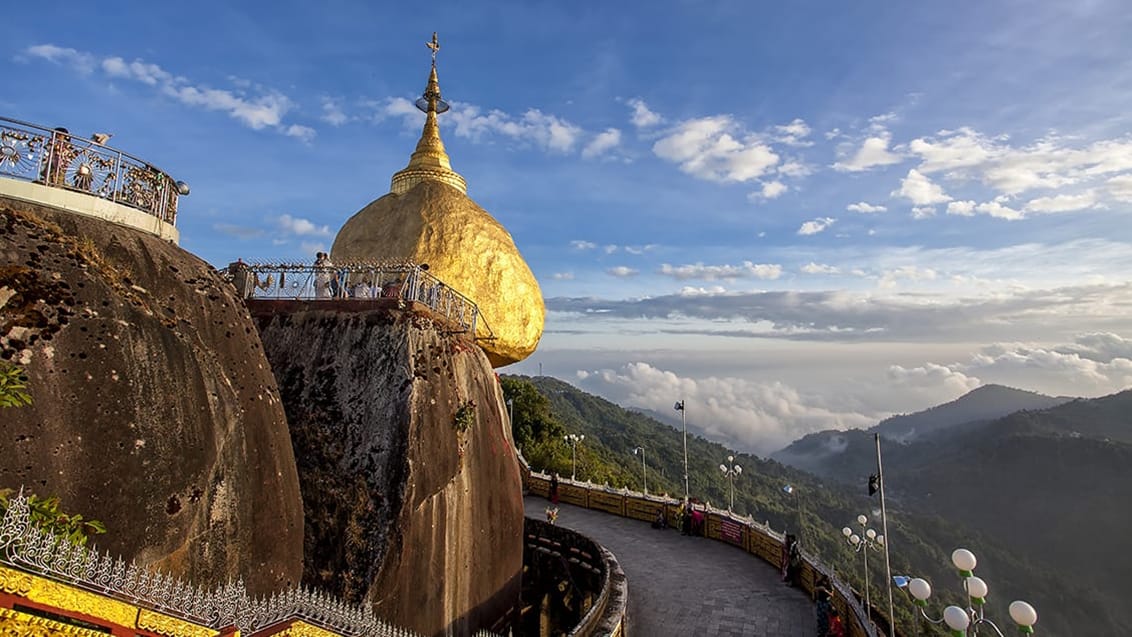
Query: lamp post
point(731, 470)
point(644, 470)
point(966, 621)
point(573, 440)
point(679, 406)
point(868, 539)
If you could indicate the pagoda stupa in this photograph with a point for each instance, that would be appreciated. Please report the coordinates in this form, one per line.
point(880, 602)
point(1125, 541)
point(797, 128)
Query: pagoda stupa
point(428, 218)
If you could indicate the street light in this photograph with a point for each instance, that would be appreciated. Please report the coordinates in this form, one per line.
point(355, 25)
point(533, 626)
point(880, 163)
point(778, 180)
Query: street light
point(644, 471)
point(966, 621)
point(861, 544)
point(573, 440)
point(731, 470)
point(679, 406)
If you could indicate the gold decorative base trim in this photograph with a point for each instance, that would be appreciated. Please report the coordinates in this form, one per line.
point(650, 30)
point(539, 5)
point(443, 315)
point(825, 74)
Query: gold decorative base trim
point(13, 622)
point(403, 181)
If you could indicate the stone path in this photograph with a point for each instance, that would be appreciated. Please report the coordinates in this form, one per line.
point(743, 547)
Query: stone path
point(686, 586)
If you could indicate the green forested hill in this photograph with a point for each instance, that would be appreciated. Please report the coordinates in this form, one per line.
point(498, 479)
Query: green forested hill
point(950, 495)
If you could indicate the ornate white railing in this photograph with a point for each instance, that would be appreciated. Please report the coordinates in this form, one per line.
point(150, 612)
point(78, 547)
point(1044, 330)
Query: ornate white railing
point(58, 159)
point(401, 280)
point(25, 547)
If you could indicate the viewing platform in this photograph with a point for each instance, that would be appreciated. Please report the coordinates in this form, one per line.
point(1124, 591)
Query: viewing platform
point(55, 168)
point(356, 286)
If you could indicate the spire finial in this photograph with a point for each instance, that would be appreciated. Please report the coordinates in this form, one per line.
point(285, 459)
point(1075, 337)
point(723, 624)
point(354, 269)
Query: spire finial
point(429, 161)
point(435, 46)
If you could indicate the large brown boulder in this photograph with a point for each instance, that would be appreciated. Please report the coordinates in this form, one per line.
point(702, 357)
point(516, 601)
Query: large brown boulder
point(154, 408)
point(404, 506)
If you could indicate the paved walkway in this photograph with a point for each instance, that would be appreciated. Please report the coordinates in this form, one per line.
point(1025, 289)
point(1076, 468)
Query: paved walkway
point(687, 586)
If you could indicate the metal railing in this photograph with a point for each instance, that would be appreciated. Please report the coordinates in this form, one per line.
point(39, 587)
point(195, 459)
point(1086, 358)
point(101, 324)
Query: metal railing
point(26, 547)
point(58, 159)
point(400, 280)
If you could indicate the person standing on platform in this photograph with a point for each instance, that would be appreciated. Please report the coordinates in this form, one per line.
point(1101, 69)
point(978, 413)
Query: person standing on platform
point(823, 602)
point(553, 494)
point(323, 273)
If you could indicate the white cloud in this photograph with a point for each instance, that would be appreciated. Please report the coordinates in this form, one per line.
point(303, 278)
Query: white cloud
point(78, 60)
point(745, 270)
point(715, 149)
point(1063, 203)
point(865, 208)
point(260, 112)
point(305, 133)
point(542, 130)
point(263, 110)
point(143, 72)
point(761, 416)
point(638, 250)
point(966, 154)
point(547, 132)
point(961, 208)
point(873, 153)
point(816, 226)
point(301, 227)
point(770, 190)
point(996, 209)
point(610, 249)
point(923, 212)
point(819, 268)
point(794, 168)
point(603, 142)
point(1094, 364)
point(926, 383)
point(714, 290)
point(920, 190)
point(622, 271)
point(1120, 187)
point(582, 245)
point(332, 112)
point(793, 134)
point(890, 278)
point(642, 117)
point(563, 276)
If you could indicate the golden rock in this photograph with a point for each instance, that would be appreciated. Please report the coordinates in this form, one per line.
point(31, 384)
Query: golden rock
point(428, 218)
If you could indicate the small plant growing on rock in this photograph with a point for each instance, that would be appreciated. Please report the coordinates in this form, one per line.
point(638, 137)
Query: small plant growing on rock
point(465, 417)
point(13, 386)
point(46, 514)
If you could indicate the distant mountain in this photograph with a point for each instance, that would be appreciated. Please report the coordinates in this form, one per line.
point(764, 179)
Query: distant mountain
point(982, 403)
point(847, 455)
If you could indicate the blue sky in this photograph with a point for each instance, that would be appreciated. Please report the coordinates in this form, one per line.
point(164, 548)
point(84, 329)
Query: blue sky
point(795, 215)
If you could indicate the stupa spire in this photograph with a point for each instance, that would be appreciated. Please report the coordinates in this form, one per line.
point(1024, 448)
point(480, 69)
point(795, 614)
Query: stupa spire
point(429, 161)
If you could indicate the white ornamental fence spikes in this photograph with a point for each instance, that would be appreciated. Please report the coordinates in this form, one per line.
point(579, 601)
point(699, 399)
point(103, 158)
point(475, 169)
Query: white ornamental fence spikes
point(29, 548)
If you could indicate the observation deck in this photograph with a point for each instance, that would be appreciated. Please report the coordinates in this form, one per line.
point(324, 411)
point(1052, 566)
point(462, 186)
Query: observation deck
point(55, 168)
point(268, 287)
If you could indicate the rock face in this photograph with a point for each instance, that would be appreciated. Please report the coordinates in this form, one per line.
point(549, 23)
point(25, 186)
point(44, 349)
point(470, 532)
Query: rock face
point(154, 408)
point(404, 507)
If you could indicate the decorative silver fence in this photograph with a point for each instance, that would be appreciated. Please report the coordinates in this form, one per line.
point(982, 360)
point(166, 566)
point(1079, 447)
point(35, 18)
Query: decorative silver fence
point(401, 280)
point(58, 159)
point(26, 547)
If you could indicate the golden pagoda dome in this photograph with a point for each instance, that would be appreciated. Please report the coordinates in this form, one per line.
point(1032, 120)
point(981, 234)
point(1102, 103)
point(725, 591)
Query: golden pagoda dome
point(428, 218)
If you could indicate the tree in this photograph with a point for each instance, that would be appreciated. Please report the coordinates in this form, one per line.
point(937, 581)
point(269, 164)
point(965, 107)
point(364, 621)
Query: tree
point(535, 431)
